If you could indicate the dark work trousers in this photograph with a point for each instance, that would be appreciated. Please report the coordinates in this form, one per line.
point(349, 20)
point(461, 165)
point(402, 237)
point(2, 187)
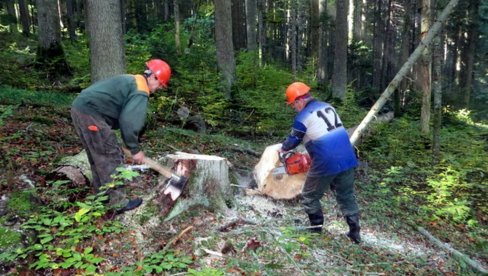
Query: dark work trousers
point(341, 184)
point(100, 143)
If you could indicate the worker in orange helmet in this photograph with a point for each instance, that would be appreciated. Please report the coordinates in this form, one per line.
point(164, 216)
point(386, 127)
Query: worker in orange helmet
point(319, 127)
point(119, 102)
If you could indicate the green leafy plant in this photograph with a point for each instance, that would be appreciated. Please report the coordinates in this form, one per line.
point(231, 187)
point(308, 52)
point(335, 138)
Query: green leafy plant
point(60, 236)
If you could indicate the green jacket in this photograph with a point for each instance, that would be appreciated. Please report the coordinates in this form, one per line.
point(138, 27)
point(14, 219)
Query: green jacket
point(121, 101)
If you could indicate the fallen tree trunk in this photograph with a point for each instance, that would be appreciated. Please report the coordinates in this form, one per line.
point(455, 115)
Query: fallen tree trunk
point(288, 187)
point(403, 71)
point(460, 256)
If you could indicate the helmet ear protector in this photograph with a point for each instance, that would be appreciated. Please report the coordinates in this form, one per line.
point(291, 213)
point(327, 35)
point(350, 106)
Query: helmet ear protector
point(147, 73)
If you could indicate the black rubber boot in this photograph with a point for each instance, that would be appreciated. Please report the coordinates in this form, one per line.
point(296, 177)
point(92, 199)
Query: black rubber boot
point(316, 220)
point(353, 222)
point(132, 204)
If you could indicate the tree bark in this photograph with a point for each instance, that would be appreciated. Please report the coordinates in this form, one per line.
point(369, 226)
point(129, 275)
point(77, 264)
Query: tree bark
point(251, 27)
point(357, 21)
point(322, 72)
point(239, 24)
point(469, 54)
point(339, 77)
point(12, 16)
point(24, 17)
point(378, 40)
point(403, 71)
point(424, 73)
point(292, 37)
point(176, 11)
point(404, 53)
point(225, 47)
point(437, 91)
point(71, 18)
point(50, 54)
point(107, 53)
point(458, 255)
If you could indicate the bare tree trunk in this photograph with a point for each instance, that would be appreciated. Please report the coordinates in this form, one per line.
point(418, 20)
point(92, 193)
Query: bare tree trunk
point(437, 91)
point(404, 52)
point(238, 24)
point(24, 17)
point(322, 72)
point(292, 37)
point(469, 53)
point(176, 12)
point(357, 24)
point(12, 16)
point(314, 28)
point(251, 7)
point(378, 40)
point(424, 73)
point(70, 14)
point(339, 77)
point(403, 71)
point(107, 57)
point(50, 54)
point(225, 47)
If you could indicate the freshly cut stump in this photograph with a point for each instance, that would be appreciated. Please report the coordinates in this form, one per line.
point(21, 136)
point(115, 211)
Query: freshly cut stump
point(208, 185)
point(286, 187)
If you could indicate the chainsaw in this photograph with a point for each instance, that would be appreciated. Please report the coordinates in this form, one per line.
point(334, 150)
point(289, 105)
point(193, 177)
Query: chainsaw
point(293, 163)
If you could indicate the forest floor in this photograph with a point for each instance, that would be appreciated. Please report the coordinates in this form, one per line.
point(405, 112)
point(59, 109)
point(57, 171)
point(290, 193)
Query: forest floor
point(259, 236)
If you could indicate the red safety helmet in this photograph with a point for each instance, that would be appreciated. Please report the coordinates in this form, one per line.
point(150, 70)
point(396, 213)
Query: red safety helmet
point(161, 70)
point(296, 90)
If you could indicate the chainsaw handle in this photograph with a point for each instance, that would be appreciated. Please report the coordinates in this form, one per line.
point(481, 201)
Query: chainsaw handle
point(285, 155)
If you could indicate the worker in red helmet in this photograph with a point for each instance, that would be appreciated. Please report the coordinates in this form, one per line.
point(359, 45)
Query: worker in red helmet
point(119, 102)
point(319, 127)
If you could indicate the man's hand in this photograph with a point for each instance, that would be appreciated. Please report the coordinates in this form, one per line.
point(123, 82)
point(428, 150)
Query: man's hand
point(138, 158)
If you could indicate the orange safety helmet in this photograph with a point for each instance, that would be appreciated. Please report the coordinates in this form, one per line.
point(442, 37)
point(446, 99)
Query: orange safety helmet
point(161, 70)
point(296, 90)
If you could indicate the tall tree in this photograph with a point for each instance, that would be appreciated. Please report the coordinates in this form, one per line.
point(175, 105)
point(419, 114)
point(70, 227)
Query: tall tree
point(225, 47)
point(71, 18)
point(437, 96)
point(339, 77)
point(24, 17)
point(238, 24)
point(403, 71)
point(12, 16)
point(107, 51)
point(251, 27)
point(357, 23)
point(322, 72)
point(50, 54)
point(469, 52)
point(293, 37)
point(378, 40)
point(176, 10)
point(424, 73)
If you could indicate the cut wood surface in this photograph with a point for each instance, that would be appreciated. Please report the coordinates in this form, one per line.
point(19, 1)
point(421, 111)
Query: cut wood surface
point(287, 187)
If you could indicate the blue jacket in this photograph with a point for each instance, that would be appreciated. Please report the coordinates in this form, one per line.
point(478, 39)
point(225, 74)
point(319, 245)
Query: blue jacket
point(319, 127)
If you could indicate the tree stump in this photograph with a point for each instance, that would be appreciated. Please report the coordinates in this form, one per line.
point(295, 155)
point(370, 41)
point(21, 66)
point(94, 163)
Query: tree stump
point(287, 187)
point(208, 187)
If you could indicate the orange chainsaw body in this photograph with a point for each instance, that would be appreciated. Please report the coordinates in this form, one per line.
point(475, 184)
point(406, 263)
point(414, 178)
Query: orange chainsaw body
point(296, 162)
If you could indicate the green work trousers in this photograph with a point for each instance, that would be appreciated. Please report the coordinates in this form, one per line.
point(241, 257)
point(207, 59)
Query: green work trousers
point(342, 184)
point(103, 151)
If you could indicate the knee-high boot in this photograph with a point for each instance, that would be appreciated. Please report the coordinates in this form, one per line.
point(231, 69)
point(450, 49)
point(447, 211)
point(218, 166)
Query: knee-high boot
point(316, 220)
point(353, 222)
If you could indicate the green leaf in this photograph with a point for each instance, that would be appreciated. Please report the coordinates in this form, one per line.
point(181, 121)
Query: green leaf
point(81, 213)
